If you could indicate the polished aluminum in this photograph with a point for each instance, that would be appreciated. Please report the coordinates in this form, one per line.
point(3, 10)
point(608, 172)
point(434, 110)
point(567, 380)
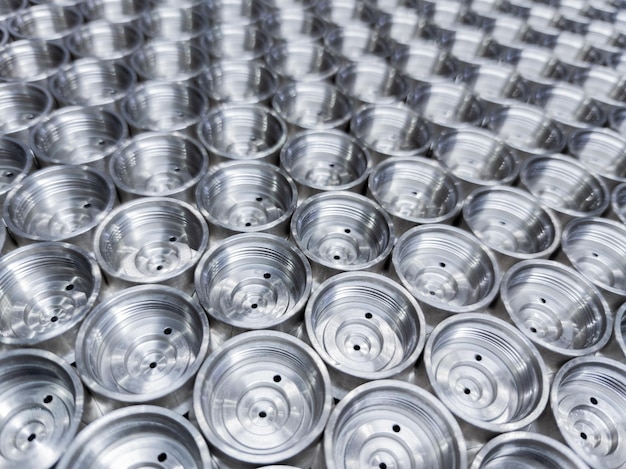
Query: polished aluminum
point(423, 62)
point(238, 12)
point(486, 372)
point(371, 83)
point(365, 327)
point(151, 240)
point(127, 12)
point(588, 402)
point(59, 203)
point(618, 202)
point(619, 328)
point(48, 22)
point(46, 290)
point(293, 25)
point(246, 196)
point(302, 62)
point(604, 85)
point(538, 67)
point(325, 160)
point(512, 223)
point(22, 105)
point(142, 345)
point(496, 85)
point(602, 151)
point(31, 60)
point(42, 400)
point(239, 82)
point(105, 41)
point(342, 231)
point(16, 162)
point(138, 436)
point(233, 41)
point(175, 23)
point(279, 398)
point(357, 43)
point(9, 8)
point(388, 423)
point(169, 60)
point(447, 269)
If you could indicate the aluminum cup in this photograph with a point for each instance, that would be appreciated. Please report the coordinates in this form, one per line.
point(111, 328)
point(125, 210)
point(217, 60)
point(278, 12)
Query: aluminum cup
point(312, 106)
point(142, 345)
point(78, 135)
point(106, 41)
point(253, 281)
point(244, 132)
point(389, 423)
point(9, 8)
point(341, 231)
point(469, 47)
point(234, 41)
point(588, 402)
point(265, 376)
point(357, 43)
point(617, 120)
point(158, 164)
point(127, 12)
point(477, 158)
point(619, 327)
point(527, 129)
point(305, 5)
point(166, 60)
point(486, 372)
point(246, 196)
point(565, 186)
point(164, 106)
point(391, 130)
point(415, 191)
point(326, 160)
point(366, 327)
point(605, 85)
point(423, 62)
point(526, 449)
point(241, 12)
point(16, 162)
point(47, 22)
point(618, 202)
point(302, 62)
point(447, 269)
point(538, 67)
point(400, 26)
point(369, 83)
point(596, 247)
point(496, 85)
point(31, 61)
point(47, 289)
point(574, 53)
point(176, 23)
point(60, 203)
point(540, 297)
point(142, 435)
point(22, 106)
point(238, 82)
point(511, 223)
point(293, 25)
point(602, 151)
point(44, 404)
point(151, 240)
point(345, 12)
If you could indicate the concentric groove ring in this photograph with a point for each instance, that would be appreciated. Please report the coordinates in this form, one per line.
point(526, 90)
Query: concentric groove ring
point(602, 151)
point(104, 40)
point(16, 162)
point(22, 105)
point(239, 82)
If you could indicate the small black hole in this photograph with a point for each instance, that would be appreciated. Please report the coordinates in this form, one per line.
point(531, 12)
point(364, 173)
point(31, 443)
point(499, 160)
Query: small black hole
point(277, 378)
point(347, 230)
point(413, 193)
point(248, 224)
point(9, 174)
point(47, 399)
point(478, 358)
point(167, 331)
point(533, 330)
point(502, 222)
point(382, 465)
point(69, 287)
point(331, 165)
point(594, 401)
point(368, 315)
point(594, 254)
point(336, 257)
point(254, 306)
point(162, 457)
point(30, 116)
point(467, 391)
point(396, 428)
point(543, 300)
point(442, 264)
point(54, 319)
point(259, 199)
point(86, 205)
point(432, 292)
point(267, 275)
point(101, 142)
point(173, 239)
point(159, 267)
point(176, 170)
point(357, 347)
point(583, 435)
point(152, 365)
point(262, 414)
point(31, 437)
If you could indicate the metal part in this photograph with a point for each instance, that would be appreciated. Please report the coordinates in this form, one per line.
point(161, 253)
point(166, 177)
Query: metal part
point(239, 82)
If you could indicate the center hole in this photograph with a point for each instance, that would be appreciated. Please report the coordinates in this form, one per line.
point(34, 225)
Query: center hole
point(167, 331)
point(259, 199)
point(478, 358)
point(152, 365)
point(254, 306)
point(442, 264)
point(31, 437)
point(467, 391)
point(162, 457)
point(267, 275)
point(594, 401)
point(248, 224)
point(347, 230)
point(173, 239)
point(594, 254)
point(533, 330)
point(357, 347)
point(396, 428)
point(277, 378)
point(543, 300)
point(47, 399)
point(583, 435)
point(336, 257)
point(69, 287)
point(86, 205)
point(382, 465)
point(262, 414)
point(368, 315)
point(159, 267)
point(54, 319)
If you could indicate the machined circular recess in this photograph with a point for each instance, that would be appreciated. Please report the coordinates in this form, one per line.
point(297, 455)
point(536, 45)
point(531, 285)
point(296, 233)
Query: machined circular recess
point(344, 12)
point(77, 135)
point(496, 84)
point(9, 8)
point(164, 106)
point(512, 223)
point(44, 404)
point(293, 25)
point(391, 130)
point(357, 43)
point(238, 12)
point(302, 61)
point(605, 85)
point(556, 307)
point(618, 201)
point(527, 450)
point(31, 61)
point(169, 60)
point(59, 203)
point(104, 40)
point(236, 41)
point(564, 185)
point(312, 106)
point(602, 151)
point(239, 82)
point(539, 67)
point(48, 22)
point(446, 268)
point(620, 328)
point(389, 423)
point(159, 164)
point(115, 11)
point(22, 105)
point(92, 82)
point(16, 162)
point(422, 62)
point(527, 129)
point(254, 281)
point(247, 196)
point(262, 398)
point(176, 22)
point(143, 344)
point(46, 290)
point(325, 160)
point(365, 327)
point(343, 231)
point(617, 120)
point(372, 83)
point(588, 399)
point(486, 372)
point(416, 190)
point(138, 436)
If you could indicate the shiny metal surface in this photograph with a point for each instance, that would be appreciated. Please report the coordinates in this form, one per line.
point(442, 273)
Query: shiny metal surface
point(16, 162)
point(293, 25)
point(302, 62)
point(556, 307)
point(22, 105)
point(175, 23)
point(619, 328)
point(602, 151)
point(158, 164)
point(141, 345)
point(366, 327)
point(42, 404)
point(356, 43)
point(115, 11)
point(169, 60)
point(48, 22)
point(9, 8)
point(246, 196)
point(618, 202)
point(370, 83)
point(486, 372)
point(151, 240)
point(496, 85)
point(605, 85)
point(59, 203)
point(46, 290)
point(279, 398)
point(233, 41)
point(239, 82)
point(31, 60)
point(446, 269)
point(238, 12)
point(389, 423)
point(588, 402)
point(423, 62)
point(138, 436)
point(104, 40)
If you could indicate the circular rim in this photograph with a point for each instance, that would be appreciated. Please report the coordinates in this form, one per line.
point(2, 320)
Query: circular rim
point(25, 170)
point(601, 168)
point(20, 90)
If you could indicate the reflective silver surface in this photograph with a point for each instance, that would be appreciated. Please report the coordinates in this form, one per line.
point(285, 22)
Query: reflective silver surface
point(239, 81)
point(371, 83)
point(48, 22)
point(16, 162)
point(232, 41)
point(22, 105)
point(302, 61)
point(169, 60)
point(105, 41)
point(602, 151)
point(31, 60)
